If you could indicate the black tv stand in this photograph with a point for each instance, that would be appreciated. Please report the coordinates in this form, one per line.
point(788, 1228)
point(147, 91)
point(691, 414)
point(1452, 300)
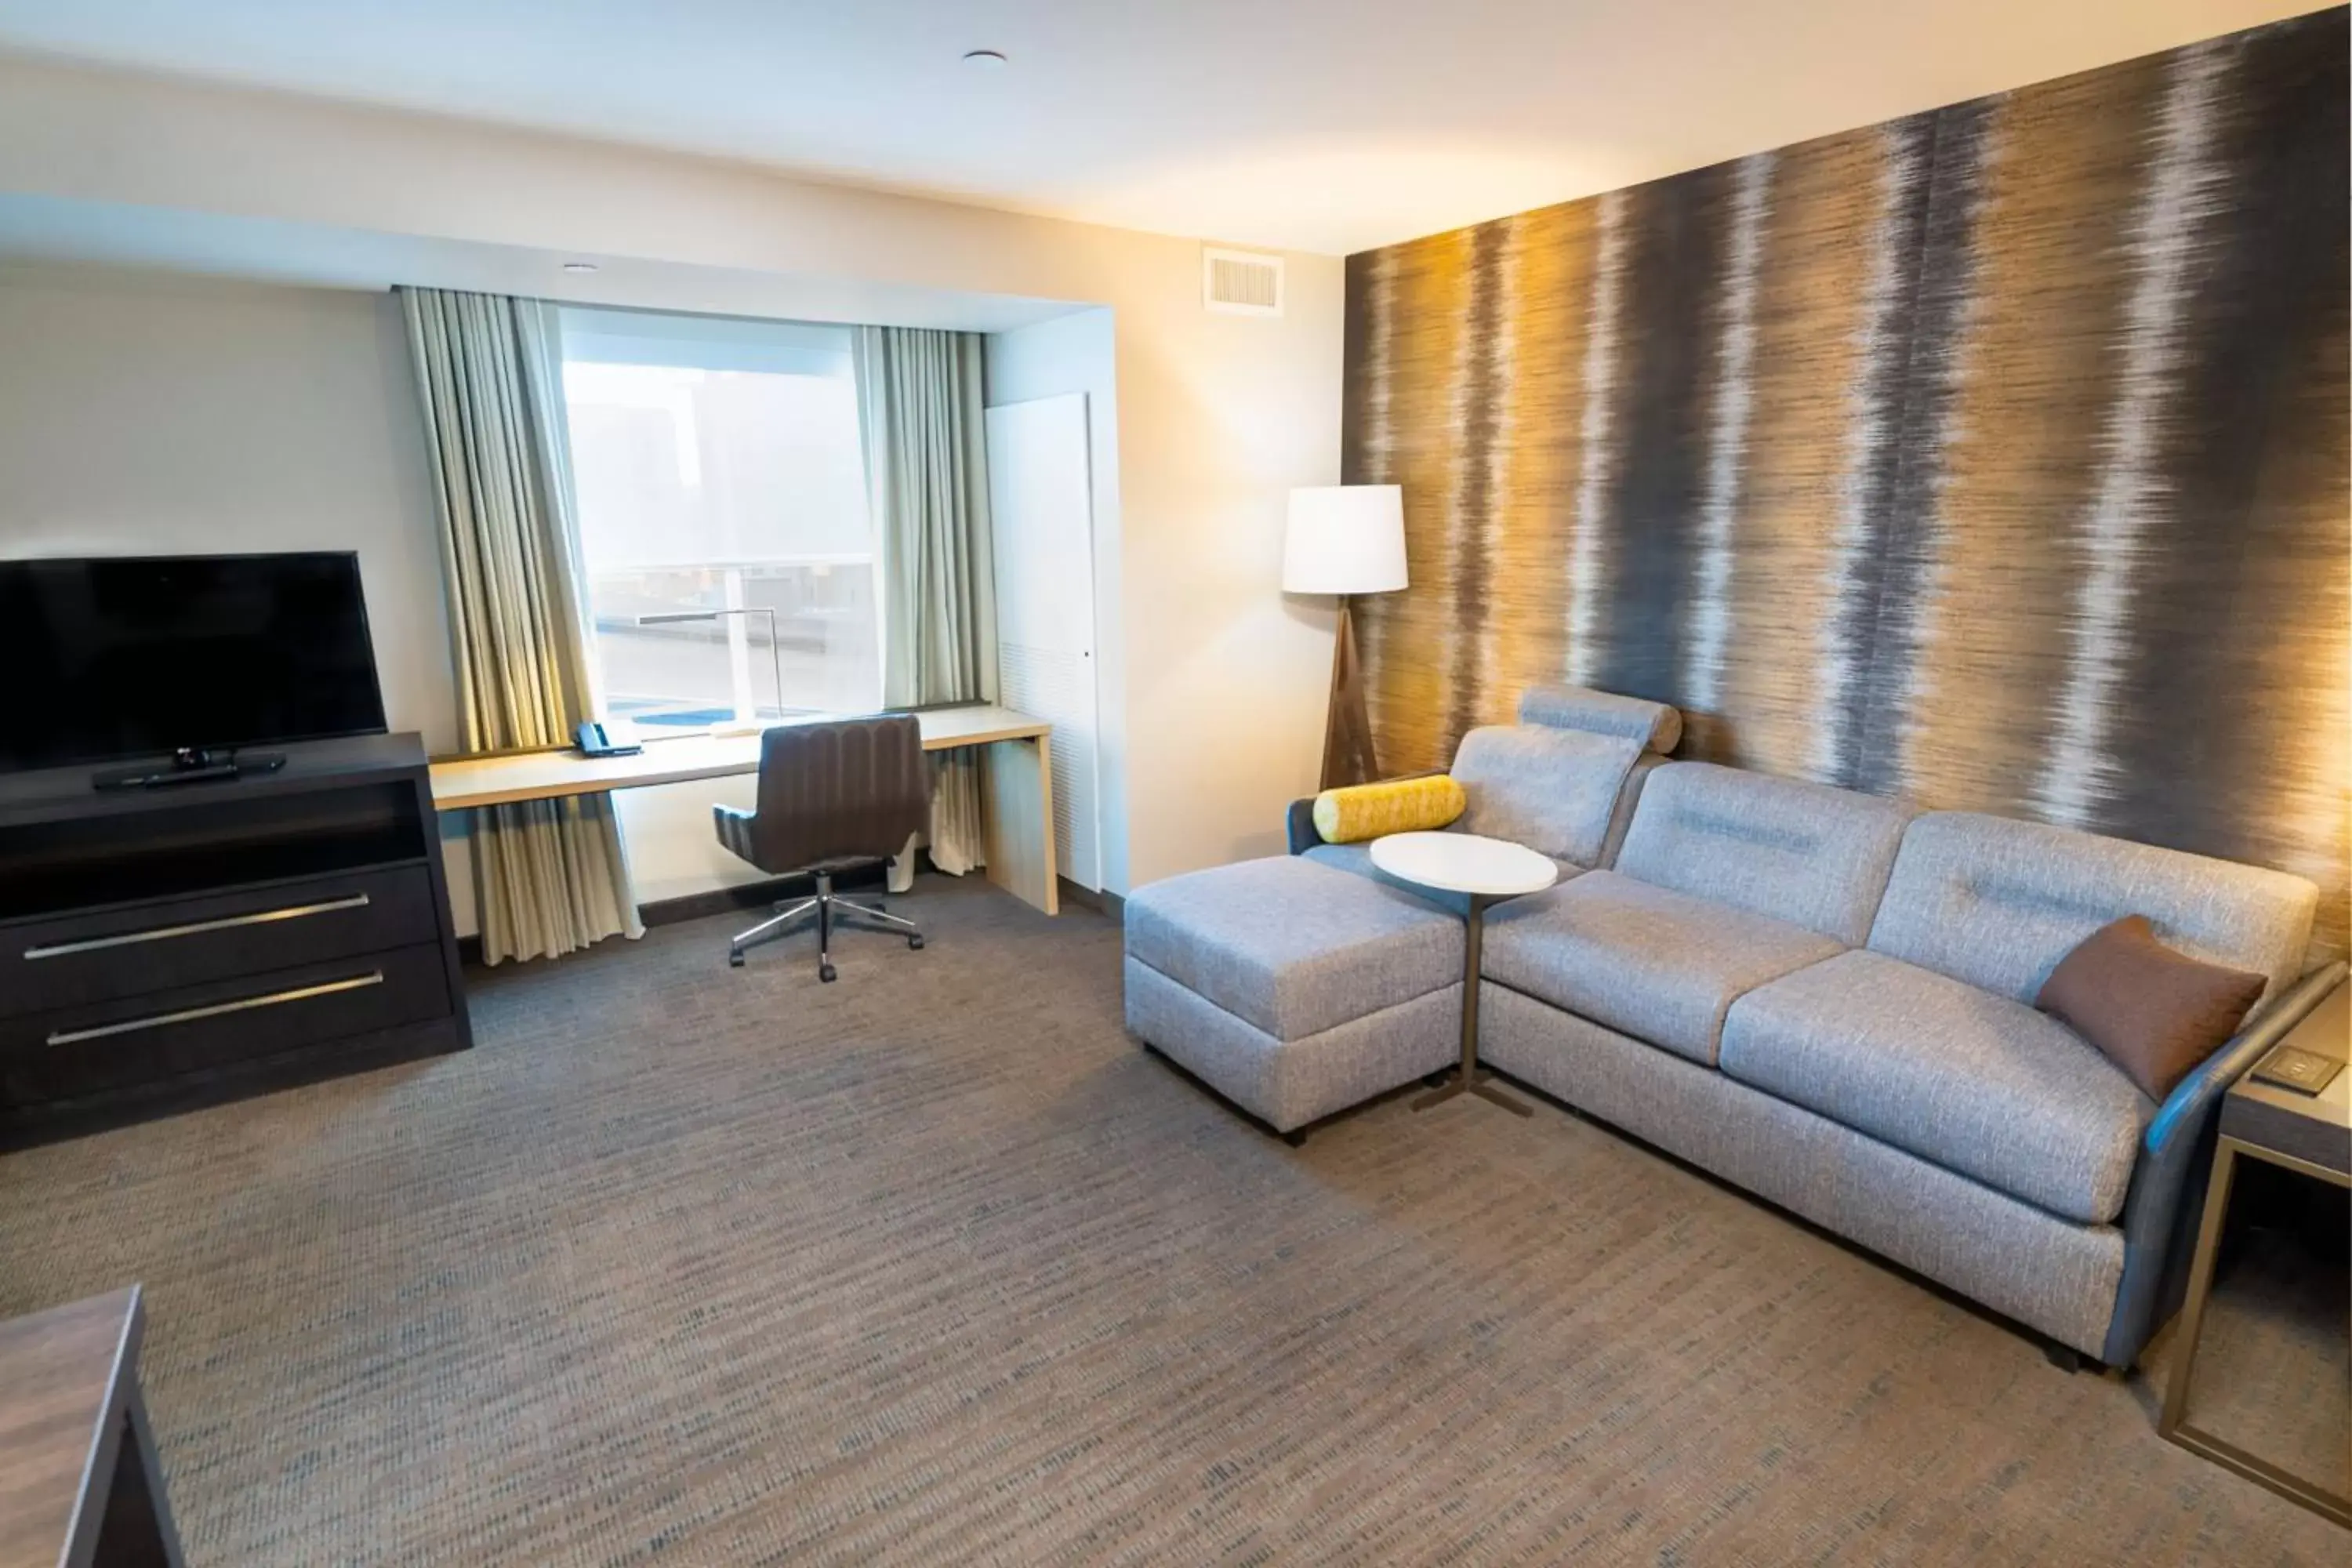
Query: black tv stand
point(190, 765)
point(163, 949)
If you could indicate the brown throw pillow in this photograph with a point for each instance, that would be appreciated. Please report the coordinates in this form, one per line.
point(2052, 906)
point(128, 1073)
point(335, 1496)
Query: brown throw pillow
point(2155, 1012)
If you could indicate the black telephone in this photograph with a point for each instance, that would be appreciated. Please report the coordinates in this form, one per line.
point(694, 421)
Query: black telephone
point(608, 738)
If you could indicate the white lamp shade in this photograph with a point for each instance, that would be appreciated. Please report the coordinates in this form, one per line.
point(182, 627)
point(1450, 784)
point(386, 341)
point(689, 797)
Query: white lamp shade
point(1344, 539)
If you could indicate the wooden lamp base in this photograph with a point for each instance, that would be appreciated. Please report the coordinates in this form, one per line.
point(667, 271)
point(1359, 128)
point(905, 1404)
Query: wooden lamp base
point(1347, 755)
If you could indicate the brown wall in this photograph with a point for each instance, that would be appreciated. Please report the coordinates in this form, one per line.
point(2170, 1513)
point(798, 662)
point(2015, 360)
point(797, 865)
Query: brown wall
point(1994, 456)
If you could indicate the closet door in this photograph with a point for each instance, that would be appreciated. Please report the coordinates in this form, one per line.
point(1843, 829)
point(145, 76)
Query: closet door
point(1041, 507)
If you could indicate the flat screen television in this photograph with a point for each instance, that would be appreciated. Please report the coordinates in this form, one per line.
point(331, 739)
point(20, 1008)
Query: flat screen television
point(129, 656)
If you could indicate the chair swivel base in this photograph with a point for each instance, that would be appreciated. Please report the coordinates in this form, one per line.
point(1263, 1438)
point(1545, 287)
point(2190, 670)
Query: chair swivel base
point(825, 910)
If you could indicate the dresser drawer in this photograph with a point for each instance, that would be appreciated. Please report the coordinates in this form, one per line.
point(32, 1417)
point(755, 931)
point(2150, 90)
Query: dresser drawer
point(70, 959)
point(166, 1034)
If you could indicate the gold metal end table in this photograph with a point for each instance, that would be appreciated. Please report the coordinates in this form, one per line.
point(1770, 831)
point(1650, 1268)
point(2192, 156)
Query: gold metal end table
point(2311, 1135)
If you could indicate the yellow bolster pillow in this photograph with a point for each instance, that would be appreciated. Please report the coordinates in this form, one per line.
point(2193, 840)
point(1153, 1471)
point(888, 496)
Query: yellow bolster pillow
point(1402, 805)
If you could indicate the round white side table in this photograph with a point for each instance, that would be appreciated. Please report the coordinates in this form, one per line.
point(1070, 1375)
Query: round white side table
point(1485, 871)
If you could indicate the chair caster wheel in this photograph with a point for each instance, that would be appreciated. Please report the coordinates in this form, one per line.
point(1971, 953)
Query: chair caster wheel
point(734, 961)
point(824, 971)
point(916, 942)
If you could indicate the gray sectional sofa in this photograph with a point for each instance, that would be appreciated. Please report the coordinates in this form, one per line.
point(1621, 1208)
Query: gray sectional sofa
point(1562, 781)
point(1294, 989)
point(1823, 996)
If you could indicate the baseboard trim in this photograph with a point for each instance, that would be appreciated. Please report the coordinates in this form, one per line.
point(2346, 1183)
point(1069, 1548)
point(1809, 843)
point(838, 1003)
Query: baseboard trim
point(1101, 900)
point(775, 890)
point(756, 895)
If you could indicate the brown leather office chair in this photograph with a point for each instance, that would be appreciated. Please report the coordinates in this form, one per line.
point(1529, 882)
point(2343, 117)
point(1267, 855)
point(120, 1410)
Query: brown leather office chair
point(833, 797)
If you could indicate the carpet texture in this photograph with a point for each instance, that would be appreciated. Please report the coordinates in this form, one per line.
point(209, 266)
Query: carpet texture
point(934, 1265)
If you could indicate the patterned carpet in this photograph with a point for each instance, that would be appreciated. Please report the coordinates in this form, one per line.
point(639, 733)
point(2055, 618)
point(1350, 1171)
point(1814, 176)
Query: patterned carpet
point(933, 1265)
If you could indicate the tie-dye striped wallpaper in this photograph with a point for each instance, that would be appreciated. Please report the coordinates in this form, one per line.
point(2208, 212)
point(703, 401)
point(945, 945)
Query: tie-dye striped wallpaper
point(1995, 457)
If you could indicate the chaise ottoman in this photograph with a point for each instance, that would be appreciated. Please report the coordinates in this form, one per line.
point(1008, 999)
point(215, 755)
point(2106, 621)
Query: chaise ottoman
point(1292, 988)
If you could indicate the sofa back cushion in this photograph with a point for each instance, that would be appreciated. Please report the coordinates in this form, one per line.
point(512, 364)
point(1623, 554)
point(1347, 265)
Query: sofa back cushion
point(1657, 725)
point(1804, 853)
point(1551, 790)
point(1998, 902)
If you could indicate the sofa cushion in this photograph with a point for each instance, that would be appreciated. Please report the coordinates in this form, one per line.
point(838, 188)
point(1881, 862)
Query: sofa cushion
point(1629, 800)
point(1656, 725)
point(1978, 1083)
point(2056, 1276)
point(1292, 947)
point(1551, 790)
point(1998, 902)
point(1292, 1083)
point(1804, 853)
point(1650, 961)
point(2153, 1012)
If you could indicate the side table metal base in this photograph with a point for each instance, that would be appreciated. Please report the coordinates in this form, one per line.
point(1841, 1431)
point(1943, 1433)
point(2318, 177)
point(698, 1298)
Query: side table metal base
point(1468, 1079)
point(2173, 1423)
point(1482, 1086)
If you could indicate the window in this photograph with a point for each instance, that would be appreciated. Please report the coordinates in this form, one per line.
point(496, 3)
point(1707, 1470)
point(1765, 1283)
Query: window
point(723, 518)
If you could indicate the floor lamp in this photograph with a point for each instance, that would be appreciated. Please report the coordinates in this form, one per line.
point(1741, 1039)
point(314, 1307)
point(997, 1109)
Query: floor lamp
point(1345, 540)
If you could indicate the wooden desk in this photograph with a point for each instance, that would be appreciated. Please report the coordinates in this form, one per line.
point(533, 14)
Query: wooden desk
point(1016, 782)
point(78, 1479)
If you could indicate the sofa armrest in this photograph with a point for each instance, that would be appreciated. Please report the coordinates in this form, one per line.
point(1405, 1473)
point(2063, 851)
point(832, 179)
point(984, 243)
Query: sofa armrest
point(2195, 1098)
point(1298, 821)
point(2168, 1190)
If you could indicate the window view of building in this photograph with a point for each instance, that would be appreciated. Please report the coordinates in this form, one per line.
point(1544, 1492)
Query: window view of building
point(723, 515)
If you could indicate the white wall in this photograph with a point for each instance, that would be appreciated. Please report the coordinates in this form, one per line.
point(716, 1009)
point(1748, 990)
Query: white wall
point(158, 413)
point(146, 412)
point(1078, 352)
point(149, 413)
point(1222, 712)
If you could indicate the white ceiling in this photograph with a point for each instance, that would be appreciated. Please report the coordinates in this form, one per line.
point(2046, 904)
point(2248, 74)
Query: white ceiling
point(1328, 125)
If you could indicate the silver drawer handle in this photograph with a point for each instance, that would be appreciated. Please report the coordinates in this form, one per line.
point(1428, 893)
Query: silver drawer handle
point(194, 928)
point(189, 1015)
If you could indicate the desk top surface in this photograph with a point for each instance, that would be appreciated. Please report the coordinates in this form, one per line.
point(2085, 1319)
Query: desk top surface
point(459, 782)
point(61, 1378)
point(2316, 1128)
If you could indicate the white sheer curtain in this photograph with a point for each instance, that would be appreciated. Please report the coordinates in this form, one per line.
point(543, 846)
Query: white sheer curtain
point(920, 411)
point(549, 877)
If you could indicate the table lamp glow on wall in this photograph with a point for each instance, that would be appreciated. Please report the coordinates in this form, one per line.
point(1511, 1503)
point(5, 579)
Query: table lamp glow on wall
point(1345, 540)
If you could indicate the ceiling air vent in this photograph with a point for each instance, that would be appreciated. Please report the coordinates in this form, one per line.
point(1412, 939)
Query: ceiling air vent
point(1241, 282)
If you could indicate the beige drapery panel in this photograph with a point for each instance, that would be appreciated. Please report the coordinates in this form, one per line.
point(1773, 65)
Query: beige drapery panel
point(549, 877)
point(918, 394)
